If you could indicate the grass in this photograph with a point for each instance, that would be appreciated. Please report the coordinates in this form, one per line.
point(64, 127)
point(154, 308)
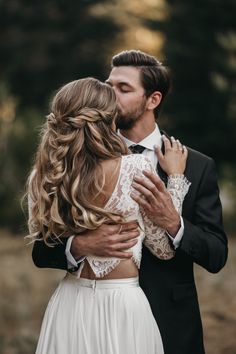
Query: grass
point(25, 291)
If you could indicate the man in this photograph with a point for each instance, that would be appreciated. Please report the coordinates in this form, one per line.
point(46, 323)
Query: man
point(141, 84)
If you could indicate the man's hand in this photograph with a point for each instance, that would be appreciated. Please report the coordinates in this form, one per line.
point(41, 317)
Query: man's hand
point(156, 201)
point(106, 241)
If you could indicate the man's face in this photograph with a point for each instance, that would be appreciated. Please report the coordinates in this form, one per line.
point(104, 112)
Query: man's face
point(125, 80)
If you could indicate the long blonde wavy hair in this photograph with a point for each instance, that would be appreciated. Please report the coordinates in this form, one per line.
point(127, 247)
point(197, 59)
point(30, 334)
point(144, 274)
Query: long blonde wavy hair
point(66, 177)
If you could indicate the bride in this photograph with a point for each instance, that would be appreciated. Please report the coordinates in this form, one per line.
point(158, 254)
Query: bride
point(82, 177)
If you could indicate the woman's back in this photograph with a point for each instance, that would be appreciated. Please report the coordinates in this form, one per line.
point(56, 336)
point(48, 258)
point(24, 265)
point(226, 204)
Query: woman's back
point(114, 173)
point(119, 175)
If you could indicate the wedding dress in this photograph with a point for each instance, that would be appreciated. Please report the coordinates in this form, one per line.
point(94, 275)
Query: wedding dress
point(111, 316)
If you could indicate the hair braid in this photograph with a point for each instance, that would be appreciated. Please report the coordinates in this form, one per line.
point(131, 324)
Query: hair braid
point(77, 136)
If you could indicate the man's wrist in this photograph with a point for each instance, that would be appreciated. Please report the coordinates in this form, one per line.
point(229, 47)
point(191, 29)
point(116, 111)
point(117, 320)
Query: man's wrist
point(173, 229)
point(72, 263)
point(77, 248)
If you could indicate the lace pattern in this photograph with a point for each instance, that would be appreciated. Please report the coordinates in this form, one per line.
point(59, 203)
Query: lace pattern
point(156, 239)
point(120, 201)
point(101, 266)
point(178, 187)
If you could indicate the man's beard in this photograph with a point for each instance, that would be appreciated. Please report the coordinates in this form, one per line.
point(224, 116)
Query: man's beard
point(126, 121)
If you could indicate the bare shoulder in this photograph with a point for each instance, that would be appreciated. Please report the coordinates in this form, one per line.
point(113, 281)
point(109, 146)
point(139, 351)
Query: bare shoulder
point(109, 172)
point(111, 166)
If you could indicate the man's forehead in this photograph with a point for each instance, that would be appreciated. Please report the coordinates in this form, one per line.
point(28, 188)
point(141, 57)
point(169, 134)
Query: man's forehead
point(128, 74)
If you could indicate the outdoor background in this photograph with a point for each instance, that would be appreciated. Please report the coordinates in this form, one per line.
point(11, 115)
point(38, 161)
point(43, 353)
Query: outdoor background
point(45, 44)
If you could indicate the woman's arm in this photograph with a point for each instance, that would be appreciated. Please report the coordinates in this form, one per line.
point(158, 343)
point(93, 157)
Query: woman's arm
point(204, 239)
point(156, 238)
point(161, 198)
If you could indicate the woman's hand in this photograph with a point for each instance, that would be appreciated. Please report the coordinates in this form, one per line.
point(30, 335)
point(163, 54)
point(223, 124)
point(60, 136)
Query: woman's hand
point(175, 157)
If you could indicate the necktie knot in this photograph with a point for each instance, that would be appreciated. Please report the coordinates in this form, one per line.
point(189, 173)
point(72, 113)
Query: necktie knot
point(137, 149)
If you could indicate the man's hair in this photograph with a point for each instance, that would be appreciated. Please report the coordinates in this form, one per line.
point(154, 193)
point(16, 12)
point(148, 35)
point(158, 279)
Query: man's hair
point(153, 74)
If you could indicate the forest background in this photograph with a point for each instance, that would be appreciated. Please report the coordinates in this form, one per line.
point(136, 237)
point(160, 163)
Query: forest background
point(48, 43)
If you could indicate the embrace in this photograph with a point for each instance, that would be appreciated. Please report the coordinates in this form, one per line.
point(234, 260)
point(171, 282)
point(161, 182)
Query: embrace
point(126, 210)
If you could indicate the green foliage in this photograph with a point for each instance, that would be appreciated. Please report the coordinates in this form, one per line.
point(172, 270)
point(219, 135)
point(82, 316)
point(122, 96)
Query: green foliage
point(15, 161)
point(44, 44)
point(47, 43)
point(200, 49)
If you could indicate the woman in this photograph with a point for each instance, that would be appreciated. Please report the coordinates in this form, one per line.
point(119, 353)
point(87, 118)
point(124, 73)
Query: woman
point(82, 178)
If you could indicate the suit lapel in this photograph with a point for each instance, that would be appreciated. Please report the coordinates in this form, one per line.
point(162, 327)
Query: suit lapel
point(160, 171)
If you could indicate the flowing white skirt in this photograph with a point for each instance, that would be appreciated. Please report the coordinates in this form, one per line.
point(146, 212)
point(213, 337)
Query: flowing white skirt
point(99, 317)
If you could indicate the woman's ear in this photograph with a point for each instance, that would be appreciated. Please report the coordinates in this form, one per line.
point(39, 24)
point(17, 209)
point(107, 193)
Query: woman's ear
point(154, 100)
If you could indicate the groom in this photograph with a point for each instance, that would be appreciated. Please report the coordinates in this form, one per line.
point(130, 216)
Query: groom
point(141, 84)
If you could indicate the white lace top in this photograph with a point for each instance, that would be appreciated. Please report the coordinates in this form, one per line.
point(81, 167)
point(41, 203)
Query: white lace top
point(154, 238)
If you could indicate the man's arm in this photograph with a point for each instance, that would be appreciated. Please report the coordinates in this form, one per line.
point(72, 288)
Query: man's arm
point(203, 239)
point(107, 240)
point(49, 257)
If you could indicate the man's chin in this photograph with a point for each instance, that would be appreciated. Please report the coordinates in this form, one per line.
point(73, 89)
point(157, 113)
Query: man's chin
point(123, 123)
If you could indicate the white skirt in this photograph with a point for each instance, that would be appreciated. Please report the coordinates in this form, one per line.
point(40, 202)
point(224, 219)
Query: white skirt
point(99, 317)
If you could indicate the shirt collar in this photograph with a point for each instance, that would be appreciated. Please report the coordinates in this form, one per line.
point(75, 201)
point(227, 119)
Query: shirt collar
point(149, 141)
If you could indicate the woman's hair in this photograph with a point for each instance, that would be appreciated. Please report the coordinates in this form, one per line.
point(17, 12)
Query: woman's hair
point(67, 175)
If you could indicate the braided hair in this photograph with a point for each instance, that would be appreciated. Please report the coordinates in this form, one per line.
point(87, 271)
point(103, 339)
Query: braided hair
point(77, 136)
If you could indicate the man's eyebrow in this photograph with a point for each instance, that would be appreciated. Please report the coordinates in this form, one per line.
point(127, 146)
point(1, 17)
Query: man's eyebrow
point(124, 83)
point(120, 83)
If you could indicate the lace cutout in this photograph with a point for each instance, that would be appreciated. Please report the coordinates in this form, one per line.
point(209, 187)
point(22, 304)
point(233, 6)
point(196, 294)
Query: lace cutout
point(101, 266)
point(120, 201)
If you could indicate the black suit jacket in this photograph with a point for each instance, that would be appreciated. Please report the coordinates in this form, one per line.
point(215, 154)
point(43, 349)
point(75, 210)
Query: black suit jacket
point(169, 285)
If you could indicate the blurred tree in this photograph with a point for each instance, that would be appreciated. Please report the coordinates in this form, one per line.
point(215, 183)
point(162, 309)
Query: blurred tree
point(47, 43)
point(200, 49)
point(43, 45)
point(15, 162)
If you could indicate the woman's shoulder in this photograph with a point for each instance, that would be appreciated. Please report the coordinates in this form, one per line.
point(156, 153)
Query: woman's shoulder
point(139, 162)
point(110, 165)
point(140, 159)
point(137, 157)
point(127, 163)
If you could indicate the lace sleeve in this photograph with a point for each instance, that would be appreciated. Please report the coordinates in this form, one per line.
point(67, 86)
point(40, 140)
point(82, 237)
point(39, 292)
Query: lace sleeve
point(156, 239)
point(178, 187)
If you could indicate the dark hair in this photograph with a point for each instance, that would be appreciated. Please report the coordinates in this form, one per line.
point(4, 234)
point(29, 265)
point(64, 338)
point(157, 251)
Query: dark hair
point(153, 74)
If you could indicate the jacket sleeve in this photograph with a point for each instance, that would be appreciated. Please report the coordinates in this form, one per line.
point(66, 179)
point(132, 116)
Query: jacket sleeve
point(49, 257)
point(204, 239)
point(44, 256)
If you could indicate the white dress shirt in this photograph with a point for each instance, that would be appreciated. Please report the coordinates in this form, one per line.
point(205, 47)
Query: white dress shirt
point(152, 140)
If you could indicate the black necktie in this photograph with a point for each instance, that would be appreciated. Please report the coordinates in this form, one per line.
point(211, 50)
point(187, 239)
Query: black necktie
point(137, 149)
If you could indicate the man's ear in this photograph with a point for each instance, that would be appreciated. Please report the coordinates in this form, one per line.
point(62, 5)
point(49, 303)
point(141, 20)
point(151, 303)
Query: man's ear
point(154, 100)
